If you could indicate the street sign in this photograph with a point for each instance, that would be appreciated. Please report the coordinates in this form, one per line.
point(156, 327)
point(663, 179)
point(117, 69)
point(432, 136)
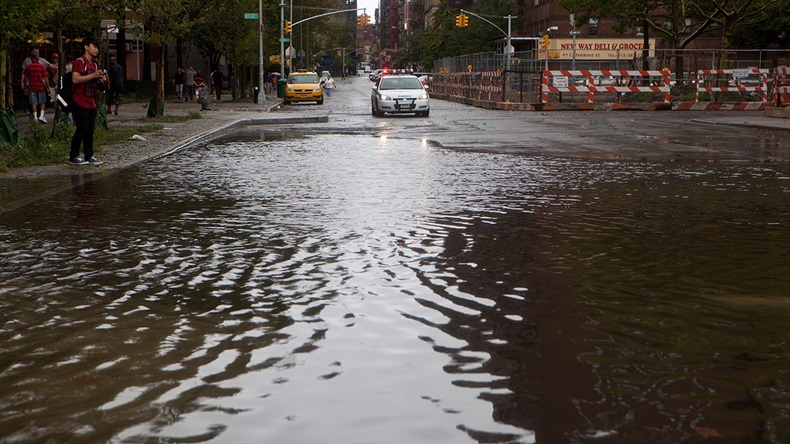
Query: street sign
point(740, 73)
point(286, 40)
point(560, 81)
point(250, 16)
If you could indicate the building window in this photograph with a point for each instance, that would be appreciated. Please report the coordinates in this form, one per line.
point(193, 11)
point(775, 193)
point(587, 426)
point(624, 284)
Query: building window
point(687, 29)
point(593, 28)
point(134, 45)
point(640, 31)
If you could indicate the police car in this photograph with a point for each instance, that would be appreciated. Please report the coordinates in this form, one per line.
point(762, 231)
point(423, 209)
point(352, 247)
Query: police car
point(399, 92)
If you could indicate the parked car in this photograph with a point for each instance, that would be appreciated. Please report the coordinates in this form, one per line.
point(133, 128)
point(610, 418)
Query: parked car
point(303, 86)
point(398, 94)
point(375, 75)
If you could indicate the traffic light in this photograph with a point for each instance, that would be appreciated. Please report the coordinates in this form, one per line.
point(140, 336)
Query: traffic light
point(464, 20)
point(546, 41)
point(459, 21)
point(361, 20)
point(365, 19)
point(287, 27)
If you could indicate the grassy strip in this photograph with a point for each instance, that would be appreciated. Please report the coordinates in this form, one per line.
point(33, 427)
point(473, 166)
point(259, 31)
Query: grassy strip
point(40, 147)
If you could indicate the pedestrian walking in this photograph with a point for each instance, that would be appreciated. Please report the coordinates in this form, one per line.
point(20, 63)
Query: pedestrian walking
point(88, 80)
point(35, 83)
point(189, 83)
point(115, 97)
point(203, 93)
point(329, 85)
point(216, 79)
point(29, 59)
point(178, 82)
point(27, 62)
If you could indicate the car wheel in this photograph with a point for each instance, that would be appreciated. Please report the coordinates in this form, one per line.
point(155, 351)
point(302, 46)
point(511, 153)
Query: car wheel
point(286, 102)
point(374, 111)
point(426, 113)
point(320, 102)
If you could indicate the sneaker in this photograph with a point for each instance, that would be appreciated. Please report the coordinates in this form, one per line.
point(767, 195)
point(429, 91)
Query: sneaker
point(43, 120)
point(77, 161)
point(94, 161)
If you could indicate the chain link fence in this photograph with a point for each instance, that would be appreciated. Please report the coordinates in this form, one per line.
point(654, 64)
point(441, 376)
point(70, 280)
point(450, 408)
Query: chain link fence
point(480, 76)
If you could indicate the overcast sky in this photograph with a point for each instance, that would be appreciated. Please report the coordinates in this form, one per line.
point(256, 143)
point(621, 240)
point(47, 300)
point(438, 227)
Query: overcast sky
point(370, 6)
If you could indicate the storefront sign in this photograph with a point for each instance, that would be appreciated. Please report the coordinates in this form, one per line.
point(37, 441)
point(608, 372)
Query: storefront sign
point(599, 49)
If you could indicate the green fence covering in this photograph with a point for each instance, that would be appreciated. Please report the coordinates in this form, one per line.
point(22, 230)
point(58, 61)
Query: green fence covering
point(9, 130)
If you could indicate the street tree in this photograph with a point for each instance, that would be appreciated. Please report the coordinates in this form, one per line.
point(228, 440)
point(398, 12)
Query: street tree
point(19, 22)
point(164, 21)
point(770, 30)
point(729, 14)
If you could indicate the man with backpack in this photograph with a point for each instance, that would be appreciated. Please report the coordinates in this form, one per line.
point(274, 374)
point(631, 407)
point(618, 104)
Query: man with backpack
point(87, 80)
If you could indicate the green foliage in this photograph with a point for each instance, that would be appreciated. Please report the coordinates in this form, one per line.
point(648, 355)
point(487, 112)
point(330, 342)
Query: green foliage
point(770, 30)
point(21, 19)
point(39, 147)
point(194, 115)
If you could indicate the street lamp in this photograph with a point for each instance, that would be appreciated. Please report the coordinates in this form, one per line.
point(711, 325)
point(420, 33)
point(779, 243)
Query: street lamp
point(548, 31)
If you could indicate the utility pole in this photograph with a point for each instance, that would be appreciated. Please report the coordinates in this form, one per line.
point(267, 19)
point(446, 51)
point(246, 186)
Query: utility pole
point(509, 48)
point(282, 41)
point(574, 33)
point(260, 53)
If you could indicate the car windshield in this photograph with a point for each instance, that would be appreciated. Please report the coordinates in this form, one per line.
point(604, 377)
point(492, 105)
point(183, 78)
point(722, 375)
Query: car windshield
point(303, 78)
point(400, 83)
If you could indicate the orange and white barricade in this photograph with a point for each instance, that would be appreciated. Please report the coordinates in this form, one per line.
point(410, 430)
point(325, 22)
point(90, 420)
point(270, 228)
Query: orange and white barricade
point(782, 86)
point(617, 82)
point(734, 80)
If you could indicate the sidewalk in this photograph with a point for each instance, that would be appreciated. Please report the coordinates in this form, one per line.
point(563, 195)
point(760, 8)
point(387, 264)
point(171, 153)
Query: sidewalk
point(175, 133)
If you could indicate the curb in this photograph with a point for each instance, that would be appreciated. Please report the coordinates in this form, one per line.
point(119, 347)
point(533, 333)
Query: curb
point(722, 106)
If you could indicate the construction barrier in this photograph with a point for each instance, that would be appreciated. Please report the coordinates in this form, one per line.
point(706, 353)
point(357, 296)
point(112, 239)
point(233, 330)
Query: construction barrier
point(478, 85)
point(782, 86)
point(604, 81)
point(733, 80)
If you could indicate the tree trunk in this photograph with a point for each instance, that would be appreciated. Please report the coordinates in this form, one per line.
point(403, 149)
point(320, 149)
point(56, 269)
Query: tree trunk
point(160, 83)
point(5, 90)
point(680, 70)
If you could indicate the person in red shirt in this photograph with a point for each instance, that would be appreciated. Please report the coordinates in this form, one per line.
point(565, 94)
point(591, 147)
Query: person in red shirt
point(35, 81)
point(87, 80)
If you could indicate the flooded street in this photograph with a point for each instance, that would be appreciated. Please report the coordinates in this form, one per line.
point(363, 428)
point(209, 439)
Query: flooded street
point(283, 287)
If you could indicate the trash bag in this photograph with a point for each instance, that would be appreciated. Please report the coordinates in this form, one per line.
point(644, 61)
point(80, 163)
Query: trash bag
point(156, 108)
point(9, 127)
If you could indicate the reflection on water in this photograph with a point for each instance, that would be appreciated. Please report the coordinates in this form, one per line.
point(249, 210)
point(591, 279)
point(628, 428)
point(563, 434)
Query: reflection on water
point(357, 290)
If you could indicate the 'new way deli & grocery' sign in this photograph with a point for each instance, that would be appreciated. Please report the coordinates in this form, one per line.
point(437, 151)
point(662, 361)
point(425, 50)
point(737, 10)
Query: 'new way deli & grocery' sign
point(598, 49)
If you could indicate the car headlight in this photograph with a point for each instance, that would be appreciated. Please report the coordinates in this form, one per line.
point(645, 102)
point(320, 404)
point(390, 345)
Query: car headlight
point(385, 97)
point(423, 96)
point(317, 88)
point(288, 88)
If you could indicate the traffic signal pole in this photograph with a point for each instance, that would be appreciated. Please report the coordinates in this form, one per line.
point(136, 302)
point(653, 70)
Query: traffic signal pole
point(282, 29)
point(508, 47)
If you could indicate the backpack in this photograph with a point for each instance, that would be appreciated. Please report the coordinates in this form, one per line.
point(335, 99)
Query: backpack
point(66, 91)
point(65, 99)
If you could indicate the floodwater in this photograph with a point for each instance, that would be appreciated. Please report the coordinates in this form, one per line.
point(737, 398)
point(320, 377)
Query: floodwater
point(353, 289)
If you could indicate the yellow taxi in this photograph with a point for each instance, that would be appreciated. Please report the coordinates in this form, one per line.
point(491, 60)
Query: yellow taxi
point(303, 86)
